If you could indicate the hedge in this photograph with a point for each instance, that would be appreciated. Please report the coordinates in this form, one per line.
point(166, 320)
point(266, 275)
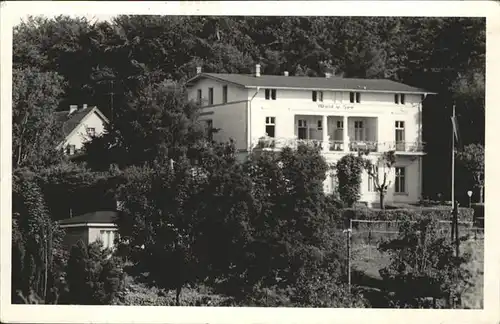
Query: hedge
point(438, 212)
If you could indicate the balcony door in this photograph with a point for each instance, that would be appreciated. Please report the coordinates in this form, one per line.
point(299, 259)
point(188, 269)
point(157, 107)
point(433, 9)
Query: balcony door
point(302, 129)
point(359, 131)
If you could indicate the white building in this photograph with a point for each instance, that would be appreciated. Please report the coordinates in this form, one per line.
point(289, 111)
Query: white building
point(338, 114)
point(79, 125)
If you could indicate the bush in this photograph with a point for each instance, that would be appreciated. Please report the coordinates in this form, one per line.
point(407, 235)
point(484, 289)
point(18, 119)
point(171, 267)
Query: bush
point(423, 266)
point(437, 213)
point(349, 170)
point(93, 276)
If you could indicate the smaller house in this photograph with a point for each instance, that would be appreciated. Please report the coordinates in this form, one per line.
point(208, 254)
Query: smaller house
point(79, 125)
point(90, 227)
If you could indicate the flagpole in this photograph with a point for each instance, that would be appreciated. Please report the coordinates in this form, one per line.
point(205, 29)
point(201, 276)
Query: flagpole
point(453, 159)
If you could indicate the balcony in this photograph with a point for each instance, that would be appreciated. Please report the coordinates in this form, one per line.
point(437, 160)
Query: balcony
point(402, 148)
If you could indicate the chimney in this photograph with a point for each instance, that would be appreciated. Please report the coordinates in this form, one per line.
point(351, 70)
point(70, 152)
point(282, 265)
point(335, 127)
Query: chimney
point(257, 70)
point(72, 109)
point(328, 75)
point(84, 106)
point(285, 73)
point(198, 69)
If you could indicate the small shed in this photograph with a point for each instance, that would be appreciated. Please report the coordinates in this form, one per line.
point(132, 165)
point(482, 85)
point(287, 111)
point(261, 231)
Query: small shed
point(90, 227)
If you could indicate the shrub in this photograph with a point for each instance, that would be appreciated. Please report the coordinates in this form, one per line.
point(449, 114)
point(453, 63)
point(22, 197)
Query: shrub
point(437, 213)
point(349, 170)
point(423, 266)
point(93, 276)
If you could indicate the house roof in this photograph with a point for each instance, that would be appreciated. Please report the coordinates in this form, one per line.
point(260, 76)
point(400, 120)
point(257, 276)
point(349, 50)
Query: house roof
point(71, 121)
point(313, 83)
point(97, 217)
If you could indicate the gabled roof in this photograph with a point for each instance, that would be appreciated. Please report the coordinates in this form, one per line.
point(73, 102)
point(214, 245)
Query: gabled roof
point(97, 217)
point(312, 83)
point(71, 121)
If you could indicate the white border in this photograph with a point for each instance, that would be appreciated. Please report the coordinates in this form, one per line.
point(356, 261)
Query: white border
point(11, 13)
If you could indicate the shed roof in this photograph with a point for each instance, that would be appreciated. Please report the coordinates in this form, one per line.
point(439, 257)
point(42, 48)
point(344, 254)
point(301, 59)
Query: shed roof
point(97, 217)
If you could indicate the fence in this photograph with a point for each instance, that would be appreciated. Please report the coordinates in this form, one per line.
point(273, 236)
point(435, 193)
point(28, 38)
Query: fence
point(364, 236)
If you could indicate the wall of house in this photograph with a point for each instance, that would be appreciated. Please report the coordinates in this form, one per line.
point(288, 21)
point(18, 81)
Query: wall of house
point(73, 234)
point(230, 120)
point(378, 109)
point(234, 92)
point(413, 186)
point(80, 135)
point(96, 233)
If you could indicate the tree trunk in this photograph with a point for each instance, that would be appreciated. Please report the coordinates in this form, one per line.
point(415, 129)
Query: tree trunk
point(382, 197)
point(178, 296)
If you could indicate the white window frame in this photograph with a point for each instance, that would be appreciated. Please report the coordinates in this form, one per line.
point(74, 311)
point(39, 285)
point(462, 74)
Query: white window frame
point(91, 131)
point(70, 149)
point(317, 96)
point(270, 122)
point(399, 99)
point(320, 124)
point(302, 124)
point(400, 180)
point(359, 132)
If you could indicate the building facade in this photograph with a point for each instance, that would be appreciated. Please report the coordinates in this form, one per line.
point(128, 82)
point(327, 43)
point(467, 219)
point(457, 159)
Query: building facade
point(339, 115)
point(79, 125)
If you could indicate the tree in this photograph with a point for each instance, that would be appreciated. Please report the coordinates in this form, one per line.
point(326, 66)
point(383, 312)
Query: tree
point(423, 265)
point(36, 242)
point(349, 170)
point(384, 165)
point(158, 123)
point(93, 277)
point(472, 159)
point(35, 131)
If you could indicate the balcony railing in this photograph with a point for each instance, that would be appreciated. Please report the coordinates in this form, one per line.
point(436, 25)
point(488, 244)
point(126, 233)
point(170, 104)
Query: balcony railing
point(339, 145)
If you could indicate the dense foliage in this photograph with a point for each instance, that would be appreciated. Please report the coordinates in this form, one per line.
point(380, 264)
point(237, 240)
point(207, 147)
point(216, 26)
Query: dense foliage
point(93, 276)
point(349, 170)
point(423, 266)
point(471, 159)
point(261, 232)
point(442, 55)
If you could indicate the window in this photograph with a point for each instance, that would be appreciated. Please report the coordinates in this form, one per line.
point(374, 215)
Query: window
point(355, 96)
point(210, 96)
point(399, 99)
point(400, 180)
point(91, 131)
point(302, 129)
point(224, 94)
point(339, 132)
point(70, 149)
point(359, 131)
point(317, 96)
point(400, 135)
point(107, 238)
point(200, 96)
point(271, 126)
point(320, 125)
point(270, 94)
point(209, 130)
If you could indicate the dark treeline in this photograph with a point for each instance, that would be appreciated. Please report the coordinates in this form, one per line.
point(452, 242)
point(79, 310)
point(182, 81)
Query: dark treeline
point(104, 62)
